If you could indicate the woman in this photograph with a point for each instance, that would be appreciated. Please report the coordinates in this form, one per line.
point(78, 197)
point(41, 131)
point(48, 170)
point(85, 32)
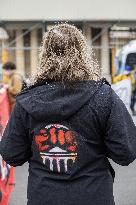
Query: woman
point(66, 125)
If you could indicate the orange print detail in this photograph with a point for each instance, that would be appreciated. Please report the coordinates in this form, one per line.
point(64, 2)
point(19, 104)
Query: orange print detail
point(53, 135)
point(61, 138)
point(44, 147)
point(39, 139)
point(72, 148)
point(69, 135)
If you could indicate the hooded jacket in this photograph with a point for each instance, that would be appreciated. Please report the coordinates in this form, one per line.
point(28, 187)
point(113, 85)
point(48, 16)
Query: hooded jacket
point(67, 133)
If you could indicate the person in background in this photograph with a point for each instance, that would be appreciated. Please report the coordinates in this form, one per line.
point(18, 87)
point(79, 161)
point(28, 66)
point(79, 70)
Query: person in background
point(130, 75)
point(133, 96)
point(124, 76)
point(66, 124)
point(13, 80)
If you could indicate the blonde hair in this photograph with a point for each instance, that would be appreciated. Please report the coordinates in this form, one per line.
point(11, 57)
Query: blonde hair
point(65, 56)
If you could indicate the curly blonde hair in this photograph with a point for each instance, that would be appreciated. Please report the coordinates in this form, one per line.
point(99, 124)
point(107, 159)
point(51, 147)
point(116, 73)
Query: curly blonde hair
point(65, 56)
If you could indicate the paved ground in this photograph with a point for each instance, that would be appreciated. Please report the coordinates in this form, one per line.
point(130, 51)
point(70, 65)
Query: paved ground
point(18, 196)
point(124, 187)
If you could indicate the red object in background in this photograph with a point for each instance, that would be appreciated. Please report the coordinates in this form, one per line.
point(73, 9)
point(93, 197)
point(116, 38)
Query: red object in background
point(6, 171)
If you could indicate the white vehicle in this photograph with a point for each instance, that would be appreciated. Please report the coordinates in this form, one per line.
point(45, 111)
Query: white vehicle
point(126, 58)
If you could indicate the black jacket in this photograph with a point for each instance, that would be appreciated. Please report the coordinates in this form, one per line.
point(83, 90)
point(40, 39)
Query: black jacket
point(66, 133)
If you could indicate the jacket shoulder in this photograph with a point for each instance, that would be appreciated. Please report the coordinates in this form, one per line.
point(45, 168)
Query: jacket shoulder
point(103, 96)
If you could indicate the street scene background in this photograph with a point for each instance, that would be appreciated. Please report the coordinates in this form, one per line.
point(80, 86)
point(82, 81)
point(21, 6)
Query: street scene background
point(110, 30)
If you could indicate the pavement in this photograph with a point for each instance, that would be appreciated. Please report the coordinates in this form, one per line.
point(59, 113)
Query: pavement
point(124, 186)
point(19, 194)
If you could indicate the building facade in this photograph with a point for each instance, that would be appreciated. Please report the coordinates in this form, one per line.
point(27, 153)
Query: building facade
point(107, 25)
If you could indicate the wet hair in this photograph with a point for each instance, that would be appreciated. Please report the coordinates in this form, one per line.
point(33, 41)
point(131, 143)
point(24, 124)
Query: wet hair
point(9, 66)
point(65, 56)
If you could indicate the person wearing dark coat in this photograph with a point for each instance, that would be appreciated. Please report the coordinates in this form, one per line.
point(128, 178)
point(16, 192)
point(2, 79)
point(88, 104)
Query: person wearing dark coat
point(67, 124)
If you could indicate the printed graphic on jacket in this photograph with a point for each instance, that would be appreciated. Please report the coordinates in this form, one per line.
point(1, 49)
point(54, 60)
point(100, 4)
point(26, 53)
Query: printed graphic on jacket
point(57, 145)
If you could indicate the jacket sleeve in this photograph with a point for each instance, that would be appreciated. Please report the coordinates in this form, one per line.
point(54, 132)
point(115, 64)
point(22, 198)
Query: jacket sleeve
point(15, 146)
point(120, 137)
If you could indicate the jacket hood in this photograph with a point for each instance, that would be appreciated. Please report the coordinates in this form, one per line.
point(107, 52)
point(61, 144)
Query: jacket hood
point(57, 101)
